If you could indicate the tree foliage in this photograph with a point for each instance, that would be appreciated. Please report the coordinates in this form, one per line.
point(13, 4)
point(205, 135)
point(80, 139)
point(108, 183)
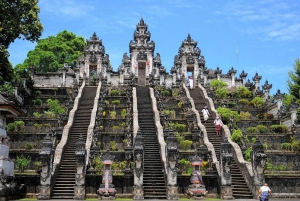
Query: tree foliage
point(18, 18)
point(218, 84)
point(51, 53)
point(294, 81)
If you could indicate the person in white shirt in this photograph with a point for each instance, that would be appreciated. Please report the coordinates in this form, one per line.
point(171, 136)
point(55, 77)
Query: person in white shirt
point(205, 113)
point(218, 125)
point(264, 192)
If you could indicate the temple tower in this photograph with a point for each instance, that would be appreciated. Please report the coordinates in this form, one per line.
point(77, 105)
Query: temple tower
point(94, 62)
point(188, 60)
point(141, 53)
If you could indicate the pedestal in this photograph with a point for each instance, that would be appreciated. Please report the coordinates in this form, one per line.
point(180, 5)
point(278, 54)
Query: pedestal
point(172, 192)
point(79, 193)
point(138, 193)
point(226, 192)
point(44, 193)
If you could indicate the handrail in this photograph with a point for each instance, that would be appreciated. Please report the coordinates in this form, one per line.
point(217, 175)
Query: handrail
point(160, 133)
point(246, 167)
point(65, 136)
point(90, 131)
point(203, 129)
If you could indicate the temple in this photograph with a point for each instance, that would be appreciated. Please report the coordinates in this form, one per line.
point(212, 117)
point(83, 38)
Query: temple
point(138, 132)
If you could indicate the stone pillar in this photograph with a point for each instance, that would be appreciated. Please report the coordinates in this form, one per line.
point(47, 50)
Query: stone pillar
point(258, 161)
point(225, 160)
point(232, 72)
point(45, 157)
point(256, 79)
point(172, 157)
point(267, 88)
point(80, 154)
point(138, 154)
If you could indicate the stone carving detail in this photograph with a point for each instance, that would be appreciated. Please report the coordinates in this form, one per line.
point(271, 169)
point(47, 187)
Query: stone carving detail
point(226, 158)
point(46, 157)
point(258, 160)
point(139, 154)
point(80, 155)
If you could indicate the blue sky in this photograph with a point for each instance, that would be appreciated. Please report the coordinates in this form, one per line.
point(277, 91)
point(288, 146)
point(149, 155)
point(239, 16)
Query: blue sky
point(265, 33)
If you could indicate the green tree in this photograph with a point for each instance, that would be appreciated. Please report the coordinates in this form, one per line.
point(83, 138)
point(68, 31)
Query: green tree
point(17, 18)
point(294, 81)
point(218, 84)
point(51, 53)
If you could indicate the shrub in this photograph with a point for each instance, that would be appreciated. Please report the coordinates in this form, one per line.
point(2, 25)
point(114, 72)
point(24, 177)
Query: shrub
point(261, 128)
point(166, 112)
point(49, 114)
point(11, 127)
point(179, 127)
point(123, 113)
point(244, 92)
point(278, 128)
point(38, 126)
point(98, 164)
point(55, 107)
point(175, 93)
point(248, 154)
point(37, 101)
point(226, 114)
point(286, 146)
point(29, 146)
point(19, 125)
point(22, 162)
point(179, 104)
point(269, 116)
point(295, 145)
point(116, 102)
point(244, 101)
point(186, 144)
point(112, 114)
point(38, 93)
point(166, 93)
point(37, 165)
point(245, 115)
point(179, 138)
point(114, 92)
point(217, 84)
point(252, 130)
point(113, 145)
point(231, 104)
point(184, 164)
point(221, 93)
point(257, 102)
point(37, 115)
point(115, 127)
point(237, 136)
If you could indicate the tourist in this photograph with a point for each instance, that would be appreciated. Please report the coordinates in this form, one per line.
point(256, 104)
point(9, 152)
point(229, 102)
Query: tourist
point(264, 192)
point(218, 125)
point(191, 82)
point(205, 113)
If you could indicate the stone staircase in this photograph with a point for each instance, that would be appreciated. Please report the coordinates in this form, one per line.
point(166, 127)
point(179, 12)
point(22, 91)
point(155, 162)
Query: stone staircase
point(65, 180)
point(240, 189)
point(154, 181)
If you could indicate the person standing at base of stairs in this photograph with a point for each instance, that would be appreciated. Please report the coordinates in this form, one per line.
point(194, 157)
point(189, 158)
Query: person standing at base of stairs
point(218, 125)
point(264, 193)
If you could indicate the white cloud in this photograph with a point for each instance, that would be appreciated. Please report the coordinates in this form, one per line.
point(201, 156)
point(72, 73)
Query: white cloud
point(268, 20)
point(69, 8)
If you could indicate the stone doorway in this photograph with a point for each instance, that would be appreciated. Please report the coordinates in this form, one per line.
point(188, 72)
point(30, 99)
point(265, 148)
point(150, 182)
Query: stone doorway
point(142, 74)
point(92, 75)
